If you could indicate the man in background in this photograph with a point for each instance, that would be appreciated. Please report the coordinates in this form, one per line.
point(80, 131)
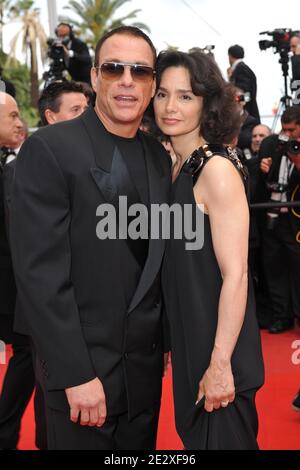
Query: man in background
point(62, 101)
point(19, 380)
point(77, 57)
point(243, 77)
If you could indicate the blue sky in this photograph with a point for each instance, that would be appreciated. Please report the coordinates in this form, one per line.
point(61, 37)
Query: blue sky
point(188, 23)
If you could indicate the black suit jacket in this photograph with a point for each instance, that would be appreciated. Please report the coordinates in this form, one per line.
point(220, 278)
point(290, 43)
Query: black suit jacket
point(7, 282)
point(89, 308)
point(243, 77)
point(80, 64)
point(296, 68)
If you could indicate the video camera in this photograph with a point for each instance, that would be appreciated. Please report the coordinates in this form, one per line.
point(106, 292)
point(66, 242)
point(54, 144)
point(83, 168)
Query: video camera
point(58, 67)
point(55, 48)
point(280, 39)
point(206, 50)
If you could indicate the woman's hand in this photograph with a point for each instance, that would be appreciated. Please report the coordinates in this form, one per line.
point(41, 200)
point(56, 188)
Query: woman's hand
point(217, 386)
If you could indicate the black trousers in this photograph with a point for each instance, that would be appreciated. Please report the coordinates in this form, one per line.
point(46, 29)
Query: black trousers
point(17, 389)
point(117, 433)
point(281, 254)
point(18, 386)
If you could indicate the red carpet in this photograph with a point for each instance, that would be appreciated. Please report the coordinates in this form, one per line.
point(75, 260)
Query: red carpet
point(279, 424)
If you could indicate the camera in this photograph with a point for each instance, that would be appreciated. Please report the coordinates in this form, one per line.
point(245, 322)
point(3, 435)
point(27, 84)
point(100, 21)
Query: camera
point(57, 68)
point(205, 50)
point(287, 145)
point(280, 39)
point(55, 49)
point(276, 196)
point(243, 97)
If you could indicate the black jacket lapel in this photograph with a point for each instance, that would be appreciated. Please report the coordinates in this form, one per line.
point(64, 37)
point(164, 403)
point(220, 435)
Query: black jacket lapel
point(112, 177)
point(159, 185)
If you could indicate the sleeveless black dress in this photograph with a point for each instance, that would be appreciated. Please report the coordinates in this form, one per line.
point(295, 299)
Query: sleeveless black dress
point(192, 283)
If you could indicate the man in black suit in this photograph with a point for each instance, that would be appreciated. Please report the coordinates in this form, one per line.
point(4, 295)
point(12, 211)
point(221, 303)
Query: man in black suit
point(92, 302)
point(281, 235)
point(77, 57)
point(295, 49)
point(19, 379)
point(243, 77)
point(10, 127)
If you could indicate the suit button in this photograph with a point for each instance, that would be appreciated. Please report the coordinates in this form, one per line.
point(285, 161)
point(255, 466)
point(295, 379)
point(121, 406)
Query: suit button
point(125, 355)
point(154, 346)
point(157, 304)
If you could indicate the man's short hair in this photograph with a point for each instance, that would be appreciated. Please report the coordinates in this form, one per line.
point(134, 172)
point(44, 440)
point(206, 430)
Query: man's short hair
point(126, 30)
point(236, 51)
point(291, 114)
point(51, 96)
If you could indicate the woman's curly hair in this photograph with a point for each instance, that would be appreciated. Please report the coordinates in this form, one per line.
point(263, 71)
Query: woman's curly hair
point(221, 119)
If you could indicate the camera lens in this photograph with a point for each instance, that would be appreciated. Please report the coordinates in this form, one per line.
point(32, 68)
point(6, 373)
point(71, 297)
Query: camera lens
point(293, 146)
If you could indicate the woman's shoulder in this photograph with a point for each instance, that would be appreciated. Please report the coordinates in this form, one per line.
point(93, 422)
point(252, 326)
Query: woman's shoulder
point(215, 160)
point(221, 180)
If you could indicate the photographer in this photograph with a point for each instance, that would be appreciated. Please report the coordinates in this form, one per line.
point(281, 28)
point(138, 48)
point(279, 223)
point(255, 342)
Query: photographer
point(248, 121)
point(243, 77)
point(280, 164)
point(295, 49)
point(76, 54)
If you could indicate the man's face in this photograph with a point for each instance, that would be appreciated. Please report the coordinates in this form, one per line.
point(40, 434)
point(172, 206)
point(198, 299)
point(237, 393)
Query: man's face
point(121, 101)
point(294, 42)
point(258, 134)
point(291, 129)
point(63, 31)
point(10, 123)
point(71, 106)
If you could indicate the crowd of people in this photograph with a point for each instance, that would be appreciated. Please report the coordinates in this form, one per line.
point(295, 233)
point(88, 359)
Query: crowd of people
point(92, 320)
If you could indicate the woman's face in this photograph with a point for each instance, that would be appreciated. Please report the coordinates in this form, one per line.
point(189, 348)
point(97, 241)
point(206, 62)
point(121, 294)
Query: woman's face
point(177, 110)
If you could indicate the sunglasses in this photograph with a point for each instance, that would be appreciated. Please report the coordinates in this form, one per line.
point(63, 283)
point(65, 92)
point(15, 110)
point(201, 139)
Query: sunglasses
point(115, 70)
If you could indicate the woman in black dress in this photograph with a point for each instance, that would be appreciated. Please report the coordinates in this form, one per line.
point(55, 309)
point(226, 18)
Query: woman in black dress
point(215, 341)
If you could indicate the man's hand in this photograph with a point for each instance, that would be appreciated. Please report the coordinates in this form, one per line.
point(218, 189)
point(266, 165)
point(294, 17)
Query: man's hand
point(66, 50)
point(265, 165)
point(217, 386)
point(88, 401)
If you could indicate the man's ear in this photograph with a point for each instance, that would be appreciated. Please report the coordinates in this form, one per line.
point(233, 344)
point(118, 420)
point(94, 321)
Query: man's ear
point(50, 116)
point(153, 88)
point(94, 78)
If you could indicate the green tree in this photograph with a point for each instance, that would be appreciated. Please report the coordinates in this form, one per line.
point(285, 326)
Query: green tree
point(34, 39)
point(96, 17)
point(19, 75)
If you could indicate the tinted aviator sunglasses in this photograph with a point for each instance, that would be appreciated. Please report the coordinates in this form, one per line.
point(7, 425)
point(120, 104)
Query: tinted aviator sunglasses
point(115, 70)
